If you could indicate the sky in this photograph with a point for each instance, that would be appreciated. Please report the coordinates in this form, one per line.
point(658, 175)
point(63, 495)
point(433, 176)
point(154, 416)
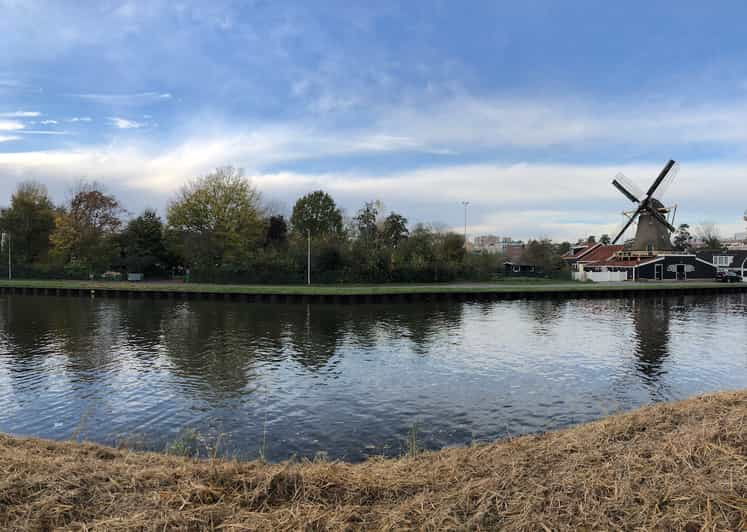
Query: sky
point(526, 110)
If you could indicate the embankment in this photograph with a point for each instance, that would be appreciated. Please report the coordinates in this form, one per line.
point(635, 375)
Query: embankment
point(382, 293)
point(680, 466)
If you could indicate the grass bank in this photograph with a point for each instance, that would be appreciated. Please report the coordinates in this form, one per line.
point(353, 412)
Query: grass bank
point(509, 286)
point(680, 466)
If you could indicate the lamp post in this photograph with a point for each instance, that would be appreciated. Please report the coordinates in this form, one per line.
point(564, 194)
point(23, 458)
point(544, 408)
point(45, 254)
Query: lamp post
point(465, 203)
point(6, 240)
point(308, 257)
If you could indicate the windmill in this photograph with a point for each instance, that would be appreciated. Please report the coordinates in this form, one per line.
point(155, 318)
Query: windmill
point(654, 228)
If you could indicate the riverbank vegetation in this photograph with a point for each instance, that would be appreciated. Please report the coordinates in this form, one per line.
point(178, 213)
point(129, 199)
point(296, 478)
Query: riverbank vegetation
point(218, 229)
point(680, 466)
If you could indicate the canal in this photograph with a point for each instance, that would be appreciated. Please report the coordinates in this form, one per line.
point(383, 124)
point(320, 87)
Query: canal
point(351, 381)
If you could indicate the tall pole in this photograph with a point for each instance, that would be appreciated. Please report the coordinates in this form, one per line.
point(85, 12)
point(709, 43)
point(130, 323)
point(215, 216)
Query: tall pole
point(465, 203)
point(308, 257)
point(10, 256)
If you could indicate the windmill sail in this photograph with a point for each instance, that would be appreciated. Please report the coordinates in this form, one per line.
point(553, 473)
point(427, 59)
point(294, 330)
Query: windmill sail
point(629, 186)
point(665, 184)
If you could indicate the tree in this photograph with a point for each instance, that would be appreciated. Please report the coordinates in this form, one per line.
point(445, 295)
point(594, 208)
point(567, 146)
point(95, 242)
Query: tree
point(30, 222)
point(591, 240)
point(394, 229)
point(563, 248)
point(143, 245)
point(605, 239)
point(452, 247)
point(365, 222)
point(86, 229)
point(682, 238)
point(316, 212)
point(543, 255)
point(708, 233)
point(217, 219)
point(277, 231)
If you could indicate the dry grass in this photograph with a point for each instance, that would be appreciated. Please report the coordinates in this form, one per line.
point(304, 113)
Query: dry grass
point(679, 466)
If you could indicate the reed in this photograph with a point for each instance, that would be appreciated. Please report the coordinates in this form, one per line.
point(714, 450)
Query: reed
point(680, 466)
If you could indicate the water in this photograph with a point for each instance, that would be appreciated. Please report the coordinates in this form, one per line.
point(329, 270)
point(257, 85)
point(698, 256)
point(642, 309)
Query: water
point(351, 381)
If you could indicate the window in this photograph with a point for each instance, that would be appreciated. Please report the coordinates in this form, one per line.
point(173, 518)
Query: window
point(722, 261)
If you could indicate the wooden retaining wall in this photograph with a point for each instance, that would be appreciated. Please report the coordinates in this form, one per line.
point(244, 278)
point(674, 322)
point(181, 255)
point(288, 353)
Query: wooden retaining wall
point(375, 298)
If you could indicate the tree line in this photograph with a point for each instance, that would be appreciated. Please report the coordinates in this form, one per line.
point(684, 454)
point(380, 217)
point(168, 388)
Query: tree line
point(218, 229)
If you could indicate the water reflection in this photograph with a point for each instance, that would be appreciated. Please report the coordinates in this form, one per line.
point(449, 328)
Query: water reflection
point(345, 379)
point(651, 340)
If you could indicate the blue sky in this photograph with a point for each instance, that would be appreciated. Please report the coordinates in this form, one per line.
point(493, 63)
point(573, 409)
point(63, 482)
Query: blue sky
point(525, 109)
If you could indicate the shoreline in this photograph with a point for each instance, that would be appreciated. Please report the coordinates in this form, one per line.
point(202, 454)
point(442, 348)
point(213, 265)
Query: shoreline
point(679, 465)
point(365, 293)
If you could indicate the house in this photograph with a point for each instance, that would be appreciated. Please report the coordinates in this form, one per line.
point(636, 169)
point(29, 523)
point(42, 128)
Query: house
point(598, 262)
point(731, 259)
point(516, 269)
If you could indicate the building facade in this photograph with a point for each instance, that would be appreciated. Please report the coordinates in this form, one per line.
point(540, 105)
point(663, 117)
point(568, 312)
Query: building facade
point(602, 263)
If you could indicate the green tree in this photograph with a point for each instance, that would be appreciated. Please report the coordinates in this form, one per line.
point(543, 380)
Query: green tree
point(451, 247)
point(605, 239)
point(543, 255)
point(30, 222)
point(86, 230)
point(563, 248)
point(318, 213)
point(394, 229)
point(143, 245)
point(364, 222)
point(276, 233)
point(414, 259)
point(682, 238)
point(216, 219)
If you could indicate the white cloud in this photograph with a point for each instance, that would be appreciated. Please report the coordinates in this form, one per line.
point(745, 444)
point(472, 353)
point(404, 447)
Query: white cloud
point(80, 119)
point(561, 201)
point(43, 132)
point(48, 122)
point(490, 122)
point(8, 138)
point(137, 98)
point(20, 114)
point(123, 123)
point(10, 125)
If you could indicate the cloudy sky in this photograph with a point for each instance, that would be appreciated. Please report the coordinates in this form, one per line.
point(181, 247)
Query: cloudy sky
point(525, 109)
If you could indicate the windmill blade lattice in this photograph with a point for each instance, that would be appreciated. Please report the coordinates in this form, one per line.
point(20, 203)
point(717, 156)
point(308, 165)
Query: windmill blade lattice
point(667, 181)
point(631, 187)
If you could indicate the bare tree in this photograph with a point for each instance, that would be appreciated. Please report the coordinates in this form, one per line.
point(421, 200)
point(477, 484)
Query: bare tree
point(708, 233)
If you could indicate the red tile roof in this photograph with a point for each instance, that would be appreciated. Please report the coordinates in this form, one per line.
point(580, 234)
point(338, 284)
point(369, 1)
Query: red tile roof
point(600, 253)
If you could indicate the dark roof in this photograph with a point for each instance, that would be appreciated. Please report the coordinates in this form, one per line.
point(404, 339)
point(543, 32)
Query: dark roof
point(581, 250)
point(739, 256)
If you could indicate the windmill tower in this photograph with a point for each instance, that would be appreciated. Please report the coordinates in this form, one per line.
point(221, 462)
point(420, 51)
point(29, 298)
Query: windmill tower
point(654, 228)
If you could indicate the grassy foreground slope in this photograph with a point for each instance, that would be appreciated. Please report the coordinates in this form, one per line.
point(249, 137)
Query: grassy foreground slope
point(680, 466)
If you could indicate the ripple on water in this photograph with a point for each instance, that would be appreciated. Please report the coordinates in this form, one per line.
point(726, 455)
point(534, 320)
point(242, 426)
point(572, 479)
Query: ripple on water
point(353, 381)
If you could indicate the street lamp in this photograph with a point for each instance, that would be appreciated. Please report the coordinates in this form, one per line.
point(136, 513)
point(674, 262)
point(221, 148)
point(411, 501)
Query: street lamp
point(6, 239)
point(465, 203)
point(308, 257)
